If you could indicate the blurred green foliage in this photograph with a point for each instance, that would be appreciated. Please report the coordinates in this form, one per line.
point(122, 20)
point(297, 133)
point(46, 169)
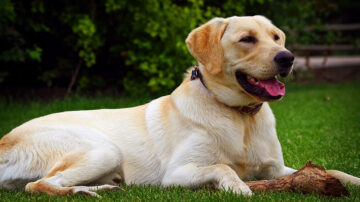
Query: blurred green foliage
point(136, 46)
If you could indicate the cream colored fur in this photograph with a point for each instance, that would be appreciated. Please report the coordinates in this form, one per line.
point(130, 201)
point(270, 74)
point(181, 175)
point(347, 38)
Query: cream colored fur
point(188, 138)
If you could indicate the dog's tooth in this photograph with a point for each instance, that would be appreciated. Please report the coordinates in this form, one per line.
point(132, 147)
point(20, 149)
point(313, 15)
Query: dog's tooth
point(250, 78)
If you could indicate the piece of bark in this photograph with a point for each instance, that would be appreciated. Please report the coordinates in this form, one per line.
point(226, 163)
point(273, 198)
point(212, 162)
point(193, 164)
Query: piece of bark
point(309, 179)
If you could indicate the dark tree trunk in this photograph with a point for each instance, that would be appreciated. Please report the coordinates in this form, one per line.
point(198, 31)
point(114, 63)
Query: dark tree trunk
point(73, 78)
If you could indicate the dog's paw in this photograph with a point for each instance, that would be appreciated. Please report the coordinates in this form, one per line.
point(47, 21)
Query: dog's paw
point(245, 190)
point(85, 192)
point(238, 188)
point(108, 187)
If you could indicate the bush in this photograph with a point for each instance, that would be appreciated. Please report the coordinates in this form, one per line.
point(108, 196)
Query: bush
point(136, 46)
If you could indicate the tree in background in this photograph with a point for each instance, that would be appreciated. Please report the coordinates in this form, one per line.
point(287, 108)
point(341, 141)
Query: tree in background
point(133, 46)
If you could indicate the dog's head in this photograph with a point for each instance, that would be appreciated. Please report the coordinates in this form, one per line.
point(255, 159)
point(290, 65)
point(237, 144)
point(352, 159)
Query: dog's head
point(240, 58)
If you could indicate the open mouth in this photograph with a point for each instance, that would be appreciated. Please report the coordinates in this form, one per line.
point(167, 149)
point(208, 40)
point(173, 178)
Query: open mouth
point(269, 89)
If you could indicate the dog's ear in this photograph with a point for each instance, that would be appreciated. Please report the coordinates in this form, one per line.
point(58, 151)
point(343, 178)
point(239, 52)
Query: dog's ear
point(204, 43)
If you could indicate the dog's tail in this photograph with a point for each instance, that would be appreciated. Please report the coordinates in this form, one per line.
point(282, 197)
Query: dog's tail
point(344, 178)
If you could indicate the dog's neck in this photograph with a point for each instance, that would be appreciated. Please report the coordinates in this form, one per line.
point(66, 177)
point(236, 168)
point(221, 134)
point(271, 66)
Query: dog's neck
point(250, 109)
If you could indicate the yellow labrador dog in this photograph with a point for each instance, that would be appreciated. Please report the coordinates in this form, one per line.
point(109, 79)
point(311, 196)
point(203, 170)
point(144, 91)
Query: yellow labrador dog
point(216, 127)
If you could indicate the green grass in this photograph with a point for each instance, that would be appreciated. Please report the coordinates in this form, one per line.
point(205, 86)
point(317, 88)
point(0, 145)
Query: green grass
point(309, 126)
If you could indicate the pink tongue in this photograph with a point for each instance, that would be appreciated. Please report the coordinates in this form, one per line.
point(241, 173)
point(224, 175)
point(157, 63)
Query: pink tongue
point(273, 87)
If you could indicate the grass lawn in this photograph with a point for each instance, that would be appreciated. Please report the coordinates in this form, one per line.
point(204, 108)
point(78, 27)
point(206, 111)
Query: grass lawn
point(317, 122)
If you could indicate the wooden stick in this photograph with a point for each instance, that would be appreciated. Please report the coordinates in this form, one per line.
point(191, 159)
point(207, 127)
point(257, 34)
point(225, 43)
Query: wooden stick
point(309, 179)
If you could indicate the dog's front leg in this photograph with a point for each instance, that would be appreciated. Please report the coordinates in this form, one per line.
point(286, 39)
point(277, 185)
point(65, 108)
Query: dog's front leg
point(287, 171)
point(222, 175)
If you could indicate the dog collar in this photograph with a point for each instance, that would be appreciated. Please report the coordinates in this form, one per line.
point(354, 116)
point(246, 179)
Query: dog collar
point(250, 109)
point(196, 74)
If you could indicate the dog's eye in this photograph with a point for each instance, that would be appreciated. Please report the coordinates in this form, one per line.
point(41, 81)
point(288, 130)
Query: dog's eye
point(248, 39)
point(276, 37)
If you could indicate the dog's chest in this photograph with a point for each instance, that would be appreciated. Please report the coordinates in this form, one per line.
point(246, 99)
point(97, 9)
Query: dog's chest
point(253, 148)
point(254, 163)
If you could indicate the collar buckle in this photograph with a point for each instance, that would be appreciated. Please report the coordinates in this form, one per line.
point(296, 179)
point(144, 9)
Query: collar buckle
point(196, 74)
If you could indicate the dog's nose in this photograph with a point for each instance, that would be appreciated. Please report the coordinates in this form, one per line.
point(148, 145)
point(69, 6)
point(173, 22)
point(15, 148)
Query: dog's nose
point(284, 61)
